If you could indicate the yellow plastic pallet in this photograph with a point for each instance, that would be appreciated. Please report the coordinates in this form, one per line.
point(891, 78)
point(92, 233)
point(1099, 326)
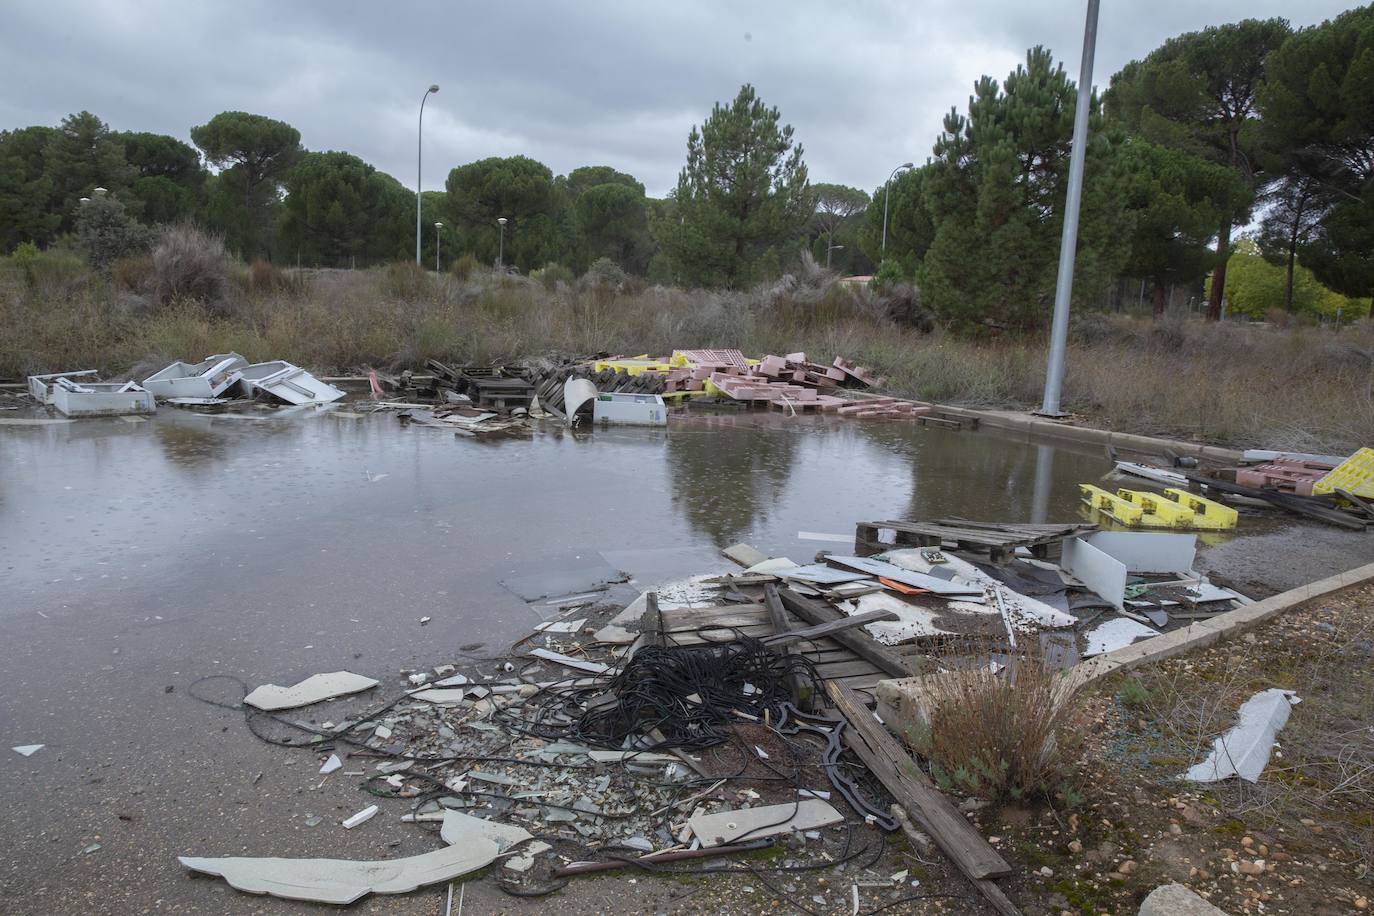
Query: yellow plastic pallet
point(1169, 513)
point(1354, 475)
point(1207, 513)
point(635, 366)
point(1110, 504)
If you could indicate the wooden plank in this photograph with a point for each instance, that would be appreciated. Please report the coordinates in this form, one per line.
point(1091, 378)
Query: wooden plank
point(842, 669)
point(857, 641)
point(744, 555)
point(898, 773)
point(782, 630)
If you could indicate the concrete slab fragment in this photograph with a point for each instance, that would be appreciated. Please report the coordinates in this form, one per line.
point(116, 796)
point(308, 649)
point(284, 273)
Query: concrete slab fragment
point(313, 689)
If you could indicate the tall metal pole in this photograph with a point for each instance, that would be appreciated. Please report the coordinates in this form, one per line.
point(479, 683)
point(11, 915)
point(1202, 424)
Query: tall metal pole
point(419, 172)
point(501, 250)
point(887, 190)
point(438, 234)
point(1068, 242)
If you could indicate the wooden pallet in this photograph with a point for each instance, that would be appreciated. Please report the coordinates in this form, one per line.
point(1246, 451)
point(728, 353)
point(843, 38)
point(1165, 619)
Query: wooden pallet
point(998, 540)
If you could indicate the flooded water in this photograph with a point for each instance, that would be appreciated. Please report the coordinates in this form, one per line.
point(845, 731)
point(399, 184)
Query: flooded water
point(136, 557)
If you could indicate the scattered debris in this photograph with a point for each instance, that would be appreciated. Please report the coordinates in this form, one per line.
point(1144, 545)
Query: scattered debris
point(202, 381)
point(28, 750)
point(731, 826)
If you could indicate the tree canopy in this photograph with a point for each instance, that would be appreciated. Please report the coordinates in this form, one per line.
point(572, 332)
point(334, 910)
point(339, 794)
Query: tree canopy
point(743, 193)
point(340, 211)
point(255, 154)
point(516, 188)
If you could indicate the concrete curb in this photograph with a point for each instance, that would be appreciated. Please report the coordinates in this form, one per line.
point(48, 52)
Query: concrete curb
point(1207, 632)
point(1039, 428)
point(900, 700)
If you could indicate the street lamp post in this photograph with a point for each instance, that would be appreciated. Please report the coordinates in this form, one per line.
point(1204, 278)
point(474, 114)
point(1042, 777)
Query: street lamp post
point(501, 249)
point(419, 174)
point(1068, 241)
point(437, 235)
point(887, 189)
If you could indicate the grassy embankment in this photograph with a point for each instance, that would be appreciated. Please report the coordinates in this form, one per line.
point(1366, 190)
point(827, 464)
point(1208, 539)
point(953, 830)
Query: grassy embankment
point(1302, 388)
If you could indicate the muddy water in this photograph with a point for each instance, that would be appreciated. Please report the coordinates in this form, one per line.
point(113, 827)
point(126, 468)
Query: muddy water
point(136, 557)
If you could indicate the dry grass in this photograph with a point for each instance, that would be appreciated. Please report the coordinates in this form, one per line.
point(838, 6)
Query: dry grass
point(1000, 735)
point(1296, 388)
point(1322, 771)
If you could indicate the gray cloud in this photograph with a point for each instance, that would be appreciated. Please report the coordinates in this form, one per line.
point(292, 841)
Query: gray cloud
point(864, 83)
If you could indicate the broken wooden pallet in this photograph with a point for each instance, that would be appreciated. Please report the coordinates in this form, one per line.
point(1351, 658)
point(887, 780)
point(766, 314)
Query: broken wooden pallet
point(998, 540)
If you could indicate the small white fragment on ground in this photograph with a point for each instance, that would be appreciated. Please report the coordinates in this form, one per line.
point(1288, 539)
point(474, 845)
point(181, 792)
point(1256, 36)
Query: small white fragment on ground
point(362, 817)
point(317, 687)
point(763, 755)
point(28, 750)
point(1117, 633)
point(425, 620)
point(418, 679)
point(456, 681)
point(332, 764)
point(1244, 750)
point(561, 626)
point(382, 732)
point(440, 695)
point(462, 829)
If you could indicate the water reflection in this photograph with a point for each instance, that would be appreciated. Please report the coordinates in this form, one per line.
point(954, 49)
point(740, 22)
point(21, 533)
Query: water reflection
point(728, 475)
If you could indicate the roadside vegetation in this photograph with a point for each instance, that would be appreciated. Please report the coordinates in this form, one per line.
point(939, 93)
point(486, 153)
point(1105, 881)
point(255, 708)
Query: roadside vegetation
point(1289, 387)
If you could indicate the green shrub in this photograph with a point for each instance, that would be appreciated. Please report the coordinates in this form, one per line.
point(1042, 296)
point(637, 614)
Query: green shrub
point(406, 281)
point(551, 274)
point(463, 268)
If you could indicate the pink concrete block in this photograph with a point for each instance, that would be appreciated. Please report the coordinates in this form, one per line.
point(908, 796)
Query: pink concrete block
point(795, 357)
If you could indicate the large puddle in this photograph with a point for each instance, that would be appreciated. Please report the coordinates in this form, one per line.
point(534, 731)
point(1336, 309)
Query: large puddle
point(264, 533)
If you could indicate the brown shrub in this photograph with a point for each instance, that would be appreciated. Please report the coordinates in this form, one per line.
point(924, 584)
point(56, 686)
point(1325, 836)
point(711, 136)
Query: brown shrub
point(188, 264)
point(999, 735)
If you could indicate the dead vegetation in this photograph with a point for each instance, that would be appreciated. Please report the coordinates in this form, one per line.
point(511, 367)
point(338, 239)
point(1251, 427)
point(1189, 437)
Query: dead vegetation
point(1000, 735)
point(1300, 388)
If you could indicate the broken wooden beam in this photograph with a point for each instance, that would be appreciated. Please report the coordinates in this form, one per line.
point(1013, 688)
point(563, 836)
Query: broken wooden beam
point(870, 740)
point(856, 641)
point(791, 635)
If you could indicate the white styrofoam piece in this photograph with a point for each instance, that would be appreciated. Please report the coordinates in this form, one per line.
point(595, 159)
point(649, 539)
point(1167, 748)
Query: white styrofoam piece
point(1101, 573)
point(1148, 551)
point(332, 764)
point(576, 393)
point(28, 750)
point(1116, 633)
point(313, 689)
point(341, 881)
point(820, 574)
point(579, 664)
point(1244, 750)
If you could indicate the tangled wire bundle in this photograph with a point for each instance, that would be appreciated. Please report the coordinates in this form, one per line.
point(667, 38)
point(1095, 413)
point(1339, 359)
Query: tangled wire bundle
point(690, 694)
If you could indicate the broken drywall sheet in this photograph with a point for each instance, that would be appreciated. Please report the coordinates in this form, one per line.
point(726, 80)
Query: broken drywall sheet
point(441, 694)
point(913, 620)
point(1117, 633)
point(1025, 610)
point(908, 576)
point(342, 881)
point(1101, 573)
point(28, 750)
point(313, 689)
point(1244, 750)
point(1147, 551)
point(460, 829)
point(755, 823)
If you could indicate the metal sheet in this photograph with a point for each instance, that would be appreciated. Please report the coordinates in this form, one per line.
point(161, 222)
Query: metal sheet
point(1103, 574)
point(208, 378)
point(630, 409)
point(1148, 551)
point(820, 574)
point(577, 392)
point(906, 577)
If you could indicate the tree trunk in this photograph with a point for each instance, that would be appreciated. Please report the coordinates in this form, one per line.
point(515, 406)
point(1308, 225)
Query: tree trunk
point(1219, 273)
point(1157, 299)
point(1292, 259)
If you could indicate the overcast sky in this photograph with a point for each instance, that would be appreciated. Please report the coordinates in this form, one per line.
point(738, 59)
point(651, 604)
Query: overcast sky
point(569, 82)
